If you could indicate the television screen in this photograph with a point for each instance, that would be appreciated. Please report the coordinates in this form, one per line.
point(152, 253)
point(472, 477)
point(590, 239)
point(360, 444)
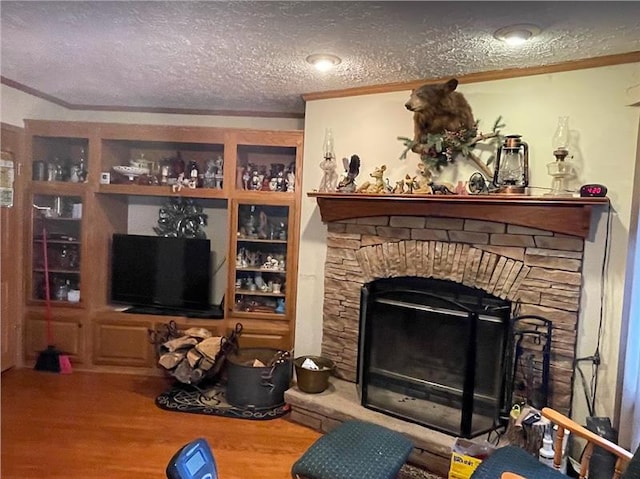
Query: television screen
point(161, 272)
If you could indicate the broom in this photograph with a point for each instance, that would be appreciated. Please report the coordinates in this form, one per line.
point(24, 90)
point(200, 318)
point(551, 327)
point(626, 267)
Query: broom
point(51, 359)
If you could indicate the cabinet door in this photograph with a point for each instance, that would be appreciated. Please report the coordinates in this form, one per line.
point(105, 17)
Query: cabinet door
point(66, 333)
point(259, 282)
point(56, 246)
point(123, 343)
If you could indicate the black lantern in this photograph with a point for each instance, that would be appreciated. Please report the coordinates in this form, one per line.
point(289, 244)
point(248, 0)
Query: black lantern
point(511, 175)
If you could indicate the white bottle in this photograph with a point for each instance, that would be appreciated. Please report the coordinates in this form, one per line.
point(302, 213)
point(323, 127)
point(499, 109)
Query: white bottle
point(545, 455)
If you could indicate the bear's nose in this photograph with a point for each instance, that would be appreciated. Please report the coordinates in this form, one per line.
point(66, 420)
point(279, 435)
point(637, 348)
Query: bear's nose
point(407, 105)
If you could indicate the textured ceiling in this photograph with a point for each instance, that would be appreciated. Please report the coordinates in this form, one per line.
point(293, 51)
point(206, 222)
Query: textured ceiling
point(250, 56)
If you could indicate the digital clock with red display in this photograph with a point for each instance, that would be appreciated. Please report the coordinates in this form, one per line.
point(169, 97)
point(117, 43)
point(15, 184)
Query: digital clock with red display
point(593, 189)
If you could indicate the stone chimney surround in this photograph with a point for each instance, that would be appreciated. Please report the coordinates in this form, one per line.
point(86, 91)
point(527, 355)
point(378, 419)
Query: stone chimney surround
point(525, 249)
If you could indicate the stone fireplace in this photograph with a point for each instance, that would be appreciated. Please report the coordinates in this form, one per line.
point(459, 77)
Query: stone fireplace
point(525, 250)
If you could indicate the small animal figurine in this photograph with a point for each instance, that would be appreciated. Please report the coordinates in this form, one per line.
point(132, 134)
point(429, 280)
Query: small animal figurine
point(291, 181)
point(399, 188)
point(378, 186)
point(442, 188)
point(329, 180)
point(352, 169)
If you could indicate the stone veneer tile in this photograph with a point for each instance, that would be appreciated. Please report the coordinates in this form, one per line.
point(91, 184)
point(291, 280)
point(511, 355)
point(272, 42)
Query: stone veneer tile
point(502, 279)
point(525, 296)
point(368, 240)
point(374, 220)
point(497, 271)
point(469, 237)
point(484, 226)
point(569, 244)
point(456, 271)
point(512, 252)
point(510, 280)
point(412, 257)
point(473, 263)
point(335, 227)
point(554, 252)
point(524, 230)
point(553, 262)
point(361, 229)
point(398, 233)
point(429, 235)
point(522, 275)
point(511, 240)
point(407, 221)
point(445, 223)
point(567, 277)
point(430, 248)
point(561, 319)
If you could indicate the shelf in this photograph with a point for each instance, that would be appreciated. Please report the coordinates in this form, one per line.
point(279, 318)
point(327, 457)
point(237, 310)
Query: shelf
point(565, 215)
point(161, 190)
point(248, 292)
point(262, 270)
point(57, 241)
point(258, 240)
point(58, 271)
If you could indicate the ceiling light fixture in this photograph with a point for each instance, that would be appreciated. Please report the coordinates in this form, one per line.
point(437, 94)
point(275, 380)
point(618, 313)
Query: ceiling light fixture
point(323, 61)
point(517, 34)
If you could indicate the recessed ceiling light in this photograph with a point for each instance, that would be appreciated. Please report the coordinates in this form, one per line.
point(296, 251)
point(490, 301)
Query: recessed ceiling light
point(517, 34)
point(323, 61)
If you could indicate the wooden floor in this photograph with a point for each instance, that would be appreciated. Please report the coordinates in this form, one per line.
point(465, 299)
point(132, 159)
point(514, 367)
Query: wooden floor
point(96, 425)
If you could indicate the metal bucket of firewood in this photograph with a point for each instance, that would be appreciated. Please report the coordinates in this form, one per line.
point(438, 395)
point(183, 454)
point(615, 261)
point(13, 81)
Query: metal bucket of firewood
point(258, 377)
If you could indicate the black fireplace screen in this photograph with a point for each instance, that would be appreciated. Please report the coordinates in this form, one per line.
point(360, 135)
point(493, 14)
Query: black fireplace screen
point(432, 352)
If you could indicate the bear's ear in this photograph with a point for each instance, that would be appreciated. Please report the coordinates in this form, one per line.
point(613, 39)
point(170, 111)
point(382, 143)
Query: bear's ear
point(451, 85)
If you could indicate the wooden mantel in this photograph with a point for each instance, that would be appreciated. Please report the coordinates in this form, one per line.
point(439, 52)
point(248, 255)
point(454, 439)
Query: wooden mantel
point(566, 215)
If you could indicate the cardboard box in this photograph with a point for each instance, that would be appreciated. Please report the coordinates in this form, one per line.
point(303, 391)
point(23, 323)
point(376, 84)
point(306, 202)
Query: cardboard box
point(466, 456)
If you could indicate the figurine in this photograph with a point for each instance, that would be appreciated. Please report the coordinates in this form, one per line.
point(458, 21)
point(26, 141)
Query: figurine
point(262, 225)
point(256, 181)
point(291, 181)
point(379, 186)
point(352, 169)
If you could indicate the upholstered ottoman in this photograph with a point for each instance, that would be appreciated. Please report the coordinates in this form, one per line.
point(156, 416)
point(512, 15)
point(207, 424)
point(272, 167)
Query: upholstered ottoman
point(354, 450)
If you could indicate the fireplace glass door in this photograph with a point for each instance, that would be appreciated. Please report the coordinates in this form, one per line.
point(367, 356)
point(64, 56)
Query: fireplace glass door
point(431, 352)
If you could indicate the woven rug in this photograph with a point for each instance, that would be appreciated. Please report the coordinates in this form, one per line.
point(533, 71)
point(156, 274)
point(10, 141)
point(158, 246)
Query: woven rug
point(212, 401)
point(409, 471)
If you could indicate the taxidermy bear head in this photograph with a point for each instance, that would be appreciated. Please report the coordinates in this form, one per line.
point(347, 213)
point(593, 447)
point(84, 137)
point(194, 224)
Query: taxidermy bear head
point(437, 108)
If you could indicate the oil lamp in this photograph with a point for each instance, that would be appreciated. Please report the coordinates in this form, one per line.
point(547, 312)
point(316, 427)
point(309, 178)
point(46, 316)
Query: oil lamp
point(561, 169)
point(511, 175)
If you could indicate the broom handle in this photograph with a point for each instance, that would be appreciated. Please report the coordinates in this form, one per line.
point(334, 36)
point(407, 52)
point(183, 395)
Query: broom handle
point(47, 290)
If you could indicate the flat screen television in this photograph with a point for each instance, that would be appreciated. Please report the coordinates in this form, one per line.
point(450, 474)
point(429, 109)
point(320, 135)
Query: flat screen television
point(161, 272)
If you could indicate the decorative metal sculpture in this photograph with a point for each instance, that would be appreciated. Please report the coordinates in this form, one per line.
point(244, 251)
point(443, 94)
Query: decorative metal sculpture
point(181, 218)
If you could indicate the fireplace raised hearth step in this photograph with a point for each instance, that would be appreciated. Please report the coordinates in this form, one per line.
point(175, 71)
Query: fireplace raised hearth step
point(340, 403)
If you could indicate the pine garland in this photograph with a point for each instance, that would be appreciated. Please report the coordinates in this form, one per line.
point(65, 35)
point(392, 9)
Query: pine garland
point(440, 150)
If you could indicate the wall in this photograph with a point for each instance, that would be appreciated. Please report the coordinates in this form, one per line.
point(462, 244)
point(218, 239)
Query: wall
point(603, 145)
point(15, 106)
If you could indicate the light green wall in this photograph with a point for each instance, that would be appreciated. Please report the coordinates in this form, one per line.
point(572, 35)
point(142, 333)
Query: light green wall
point(604, 143)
